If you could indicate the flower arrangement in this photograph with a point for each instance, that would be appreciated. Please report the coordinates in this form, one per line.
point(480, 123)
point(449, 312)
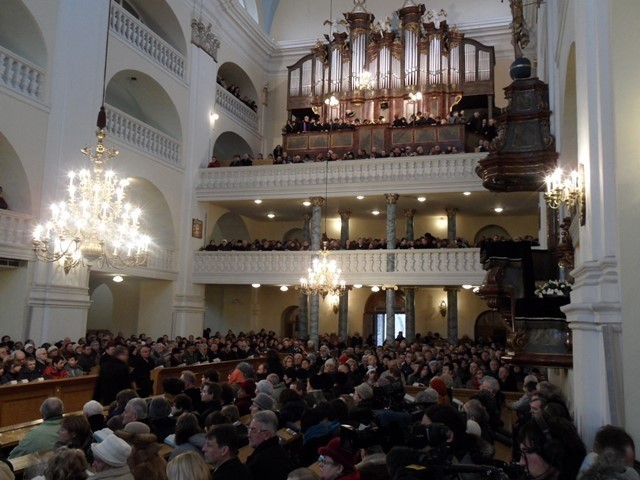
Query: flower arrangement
point(553, 288)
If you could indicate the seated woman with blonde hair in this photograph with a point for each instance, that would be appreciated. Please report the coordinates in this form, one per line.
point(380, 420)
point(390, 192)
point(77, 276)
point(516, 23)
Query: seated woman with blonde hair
point(188, 466)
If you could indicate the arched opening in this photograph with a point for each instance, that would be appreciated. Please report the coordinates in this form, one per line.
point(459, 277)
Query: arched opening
point(13, 179)
point(141, 97)
point(159, 17)
point(100, 315)
point(490, 325)
point(229, 144)
point(233, 75)
point(20, 33)
point(229, 226)
point(374, 319)
point(293, 234)
point(490, 231)
point(289, 321)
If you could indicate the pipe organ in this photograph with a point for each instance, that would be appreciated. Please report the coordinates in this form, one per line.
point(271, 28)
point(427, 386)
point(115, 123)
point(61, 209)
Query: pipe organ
point(371, 69)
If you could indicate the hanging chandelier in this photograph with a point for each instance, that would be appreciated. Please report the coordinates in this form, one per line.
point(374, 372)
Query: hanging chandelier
point(323, 277)
point(94, 225)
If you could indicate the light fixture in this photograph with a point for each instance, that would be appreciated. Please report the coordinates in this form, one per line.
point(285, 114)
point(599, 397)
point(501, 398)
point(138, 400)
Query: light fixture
point(498, 209)
point(306, 203)
point(467, 287)
point(323, 277)
point(284, 288)
point(94, 225)
point(334, 302)
point(255, 285)
point(375, 288)
point(213, 117)
point(422, 199)
point(360, 197)
point(466, 194)
point(257, 201)
point(118, 279)
point(375, 212)
point(443, 308)
point(357, 285)
point(271, 215)
point(563, 188)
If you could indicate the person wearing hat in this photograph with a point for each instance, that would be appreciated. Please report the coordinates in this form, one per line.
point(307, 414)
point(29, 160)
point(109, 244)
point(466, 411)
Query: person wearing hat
point(262, 402)
point(336, 463)
point(363, 411)
point(110, 459)
point(145, 460)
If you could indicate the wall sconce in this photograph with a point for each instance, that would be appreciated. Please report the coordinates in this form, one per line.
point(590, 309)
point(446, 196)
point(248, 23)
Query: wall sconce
point(443, 308)
point(563, 188)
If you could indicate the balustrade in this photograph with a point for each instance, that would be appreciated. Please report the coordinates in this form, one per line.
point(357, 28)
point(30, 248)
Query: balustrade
point(15, 235)
point(409, 174)
point(411, 267)
point(237, 108)
point(145, 41)
point(143, 137)
point(21, 75)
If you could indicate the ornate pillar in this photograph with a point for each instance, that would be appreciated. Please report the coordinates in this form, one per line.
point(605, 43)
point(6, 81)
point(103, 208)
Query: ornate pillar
point(408, 214)
point(343, 316)
point(344, 227)
point(392, 200)
point(410, 313)
point(303, 315)
point(452, 314)
point(314, 304)
point(306, 233)
point(451, 224)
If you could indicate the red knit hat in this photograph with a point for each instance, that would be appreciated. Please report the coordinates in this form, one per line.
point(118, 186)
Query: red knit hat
point(439, 386)
point(335, 451)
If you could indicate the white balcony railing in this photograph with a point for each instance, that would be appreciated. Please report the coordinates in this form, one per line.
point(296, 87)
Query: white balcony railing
point(143, 137)
point(15, 235)
point(406, 174)
point(21, 75)
point(161, 259)
point(368, 267)
point(145, 41)
point(236, 108)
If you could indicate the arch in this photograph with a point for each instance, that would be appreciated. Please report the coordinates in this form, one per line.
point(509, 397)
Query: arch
point(489, 231)
point(233, 74)
point(139, 95)
point(251, 8)
point(229, 144)
point(229, 226)
point(490, 324)
point(159, 17)
point(156, 214)
point(100, 315)
point(21, 34)
point(289, 321)
point(376, 304)
point(293, 234)
point(13, 178)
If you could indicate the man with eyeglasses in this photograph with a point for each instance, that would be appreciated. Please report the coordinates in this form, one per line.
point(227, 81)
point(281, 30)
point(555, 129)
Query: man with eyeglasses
point(269, 459)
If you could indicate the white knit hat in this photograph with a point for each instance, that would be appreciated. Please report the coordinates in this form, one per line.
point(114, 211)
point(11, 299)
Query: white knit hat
point(113, 451)
point(264, 386)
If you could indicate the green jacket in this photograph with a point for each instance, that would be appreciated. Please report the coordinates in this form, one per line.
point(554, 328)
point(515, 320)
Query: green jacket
point(39, 439)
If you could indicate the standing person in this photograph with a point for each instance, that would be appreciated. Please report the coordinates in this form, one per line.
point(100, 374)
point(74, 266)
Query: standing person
point(113, 377)
point(141, 374)
point(221, 451)
point(269, 459)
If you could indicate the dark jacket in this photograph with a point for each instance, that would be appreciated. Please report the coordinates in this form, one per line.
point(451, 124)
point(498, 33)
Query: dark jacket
point(270, 460)
point(113, 377)
point(232, 469)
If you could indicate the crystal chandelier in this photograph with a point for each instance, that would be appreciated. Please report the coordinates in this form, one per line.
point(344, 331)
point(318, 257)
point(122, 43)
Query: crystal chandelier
point(563, 188)
point(323, 277)
point(94, 224)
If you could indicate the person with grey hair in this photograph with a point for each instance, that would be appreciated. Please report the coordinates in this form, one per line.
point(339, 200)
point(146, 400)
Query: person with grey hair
point(135, 411)
point(278, 386)
point(269, 459)
point(45, 435)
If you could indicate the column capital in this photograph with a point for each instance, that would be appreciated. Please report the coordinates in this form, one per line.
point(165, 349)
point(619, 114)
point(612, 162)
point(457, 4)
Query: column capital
point(451, 212)
point(409, 212)
point(344, 215)
point(451, 289)
point(317, 201)
point(392, 198)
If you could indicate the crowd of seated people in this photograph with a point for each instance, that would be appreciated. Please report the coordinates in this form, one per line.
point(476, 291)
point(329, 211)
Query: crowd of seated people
point(426, 241)
point(318, 390)
point(235, 90)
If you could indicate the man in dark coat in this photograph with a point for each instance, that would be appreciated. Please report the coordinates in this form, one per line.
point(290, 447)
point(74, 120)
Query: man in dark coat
point(221, 451)
point(142, 365)
point(269, 459)
point(113, 377)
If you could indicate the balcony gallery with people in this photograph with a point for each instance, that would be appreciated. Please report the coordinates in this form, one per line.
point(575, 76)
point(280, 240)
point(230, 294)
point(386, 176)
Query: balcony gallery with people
point(332, 167)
